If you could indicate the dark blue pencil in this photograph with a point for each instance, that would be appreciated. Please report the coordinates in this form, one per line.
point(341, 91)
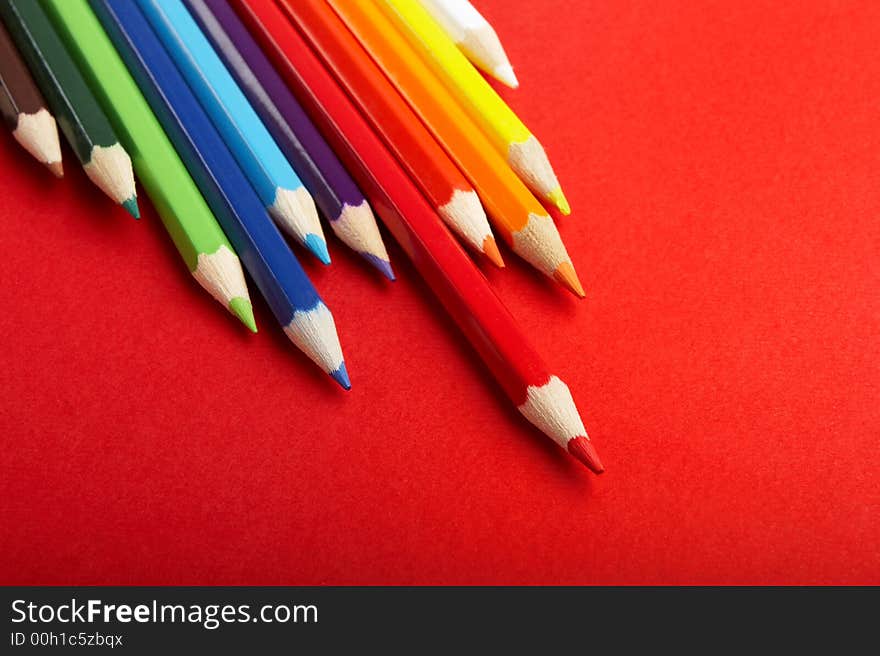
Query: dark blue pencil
point(279, 276)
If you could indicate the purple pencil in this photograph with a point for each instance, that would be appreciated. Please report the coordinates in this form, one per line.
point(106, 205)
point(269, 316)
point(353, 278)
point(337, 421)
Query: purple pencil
point(335, 193)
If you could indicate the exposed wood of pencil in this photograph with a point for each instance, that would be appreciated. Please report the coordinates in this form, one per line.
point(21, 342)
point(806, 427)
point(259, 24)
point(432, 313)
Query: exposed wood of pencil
point(523, 152)
point(196, 234)
point(437, 176)
point(285, 286)
point(83, 122)
point(335, 193)
point(515, 213)
point(538, 393)
point(24, 109)
point(474, 36)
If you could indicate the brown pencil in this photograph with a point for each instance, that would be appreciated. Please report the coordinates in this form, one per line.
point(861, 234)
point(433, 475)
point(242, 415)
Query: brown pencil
point(24, 108)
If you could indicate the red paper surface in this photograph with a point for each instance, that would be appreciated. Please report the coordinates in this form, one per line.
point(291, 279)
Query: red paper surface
point(723, 163)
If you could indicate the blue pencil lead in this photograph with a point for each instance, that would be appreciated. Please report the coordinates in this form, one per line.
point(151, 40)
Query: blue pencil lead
point(318, 247)
point(341, 377)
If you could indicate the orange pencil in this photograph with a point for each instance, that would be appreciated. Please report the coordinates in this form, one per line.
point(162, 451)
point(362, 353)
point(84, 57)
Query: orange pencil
point(437, 176)
point(515, 213)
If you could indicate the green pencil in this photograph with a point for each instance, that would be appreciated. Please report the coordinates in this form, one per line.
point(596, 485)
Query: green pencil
point(84, 124)
point(186, 216)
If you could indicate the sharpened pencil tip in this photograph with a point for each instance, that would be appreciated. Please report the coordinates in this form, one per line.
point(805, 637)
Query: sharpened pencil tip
point(382, 265)
point(341, 377)
point(131, 206)
point(387, 271)
point(559, 201)
point(506, 75)
point(582, 449)
point(57, 168)
point(318, 247)
point(568, 278)
point(490, 250)
point(242, 308)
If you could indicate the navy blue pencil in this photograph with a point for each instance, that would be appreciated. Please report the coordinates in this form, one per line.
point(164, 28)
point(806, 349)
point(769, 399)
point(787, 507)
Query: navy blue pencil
point(287, 289)
point(335, 193)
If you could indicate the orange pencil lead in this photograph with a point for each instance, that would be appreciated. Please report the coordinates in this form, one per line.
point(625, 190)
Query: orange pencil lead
point(490, 250)
point(57, 168)
point(566, 275)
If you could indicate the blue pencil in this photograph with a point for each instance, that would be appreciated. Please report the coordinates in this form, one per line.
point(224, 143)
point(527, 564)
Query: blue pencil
point(335, 193)
point(276, 183)
point(279, 276)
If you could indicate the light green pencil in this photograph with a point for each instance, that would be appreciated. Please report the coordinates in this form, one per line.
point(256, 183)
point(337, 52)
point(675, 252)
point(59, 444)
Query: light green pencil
point(193, 228)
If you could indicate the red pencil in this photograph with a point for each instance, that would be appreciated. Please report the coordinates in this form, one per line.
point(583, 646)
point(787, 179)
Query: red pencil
point(538, 394)
point(438, 177)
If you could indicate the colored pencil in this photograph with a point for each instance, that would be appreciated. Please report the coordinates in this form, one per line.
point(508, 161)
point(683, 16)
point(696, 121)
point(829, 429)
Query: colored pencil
point(474, 36)
point(276, 183)
point(290, 294)
point(83, 122)
point(192, 227)
point(523, 152)
point(437, 176)
point(24, 109)
point(513, 210)
point(537, 392)
point(335, 193)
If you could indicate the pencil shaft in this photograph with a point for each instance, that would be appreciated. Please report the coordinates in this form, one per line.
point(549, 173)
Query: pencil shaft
point(285, 118)
point(474, 36)
point(276, 271)
point(194, 230)
point(269, 172)
point(20, 93)
point(433, 170)
point(512, 208)
point(335, 193)
point(80, 116)
point(23, 108)
point(457, 283)
point(511, 137)
point(499, 121)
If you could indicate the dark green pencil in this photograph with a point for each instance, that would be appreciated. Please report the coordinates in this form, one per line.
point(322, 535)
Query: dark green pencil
point(83, 122)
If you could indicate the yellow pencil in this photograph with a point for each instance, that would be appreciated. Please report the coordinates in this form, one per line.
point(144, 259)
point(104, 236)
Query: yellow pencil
point(508, 134)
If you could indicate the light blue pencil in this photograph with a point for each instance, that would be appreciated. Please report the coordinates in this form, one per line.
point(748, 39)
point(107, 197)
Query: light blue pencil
point(270, 174)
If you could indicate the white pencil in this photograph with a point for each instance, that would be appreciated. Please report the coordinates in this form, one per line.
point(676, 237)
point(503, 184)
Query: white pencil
point(474, 36)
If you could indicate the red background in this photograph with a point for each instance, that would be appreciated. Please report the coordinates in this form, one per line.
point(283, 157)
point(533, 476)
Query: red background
point(723, 163)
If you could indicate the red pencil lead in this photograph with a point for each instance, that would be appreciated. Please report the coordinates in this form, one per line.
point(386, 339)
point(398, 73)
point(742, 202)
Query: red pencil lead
point(582, 449)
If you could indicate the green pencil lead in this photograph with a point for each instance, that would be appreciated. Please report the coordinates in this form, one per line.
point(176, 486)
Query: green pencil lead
point(131, 205)
point(242, 308)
